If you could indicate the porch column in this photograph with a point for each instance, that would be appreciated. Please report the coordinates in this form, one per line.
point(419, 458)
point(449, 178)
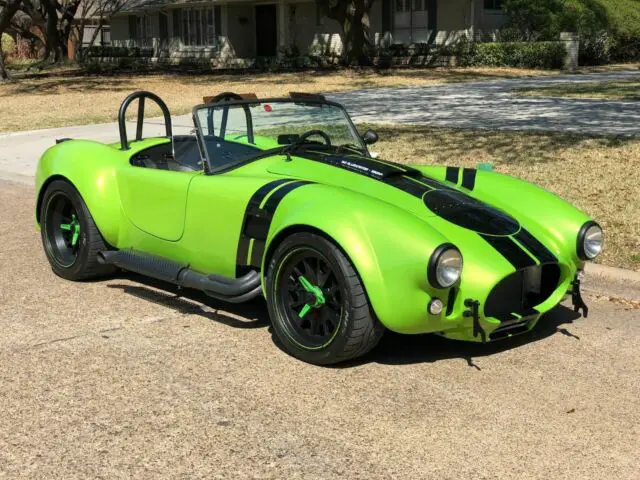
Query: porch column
point(282, 24)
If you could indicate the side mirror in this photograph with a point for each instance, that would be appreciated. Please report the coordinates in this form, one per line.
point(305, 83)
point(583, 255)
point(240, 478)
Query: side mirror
point(370, 137)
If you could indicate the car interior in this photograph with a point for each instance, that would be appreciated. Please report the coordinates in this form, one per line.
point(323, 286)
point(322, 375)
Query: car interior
point(181, 153)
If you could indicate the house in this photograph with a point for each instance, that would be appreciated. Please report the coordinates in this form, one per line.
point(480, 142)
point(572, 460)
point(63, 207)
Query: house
point(246, 29)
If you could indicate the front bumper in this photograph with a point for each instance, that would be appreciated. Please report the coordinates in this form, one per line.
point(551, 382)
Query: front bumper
point(516, 303)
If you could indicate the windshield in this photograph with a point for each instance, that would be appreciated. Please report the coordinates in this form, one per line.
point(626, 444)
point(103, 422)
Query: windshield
point(237, 132)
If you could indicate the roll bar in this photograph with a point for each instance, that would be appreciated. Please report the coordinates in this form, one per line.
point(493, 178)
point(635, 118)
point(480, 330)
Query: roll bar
point(142, 95)
point(229, 97)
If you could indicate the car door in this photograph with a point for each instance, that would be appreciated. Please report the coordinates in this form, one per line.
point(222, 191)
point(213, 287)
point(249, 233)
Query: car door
point(154, 198)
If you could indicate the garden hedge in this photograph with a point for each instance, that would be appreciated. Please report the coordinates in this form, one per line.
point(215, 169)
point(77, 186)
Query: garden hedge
point(542, 55)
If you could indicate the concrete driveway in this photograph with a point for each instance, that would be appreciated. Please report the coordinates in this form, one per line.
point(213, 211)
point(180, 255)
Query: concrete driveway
point(489, 105)
point(121, 378)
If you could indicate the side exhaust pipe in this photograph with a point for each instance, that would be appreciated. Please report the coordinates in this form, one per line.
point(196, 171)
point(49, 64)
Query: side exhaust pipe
point(234, 290)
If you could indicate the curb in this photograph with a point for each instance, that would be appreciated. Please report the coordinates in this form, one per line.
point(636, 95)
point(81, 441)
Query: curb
point(614, 273)
point(613, 282)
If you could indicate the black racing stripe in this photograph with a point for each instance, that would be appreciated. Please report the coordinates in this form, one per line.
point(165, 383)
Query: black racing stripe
point(469, 178)
point(434, 184)
point(256, 226)
point(263, 191)
point(453, 174)
point(257, 252)
point(510, 250)
point(534, 246)
point(278, 195)
point(253, 221)
point(408, 185)
point(357, 164)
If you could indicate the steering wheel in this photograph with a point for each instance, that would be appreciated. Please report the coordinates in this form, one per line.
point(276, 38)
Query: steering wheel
point(311, 133)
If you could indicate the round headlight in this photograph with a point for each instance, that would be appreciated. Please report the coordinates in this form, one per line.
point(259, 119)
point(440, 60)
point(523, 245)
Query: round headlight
point(445, 266)
point(590, 241)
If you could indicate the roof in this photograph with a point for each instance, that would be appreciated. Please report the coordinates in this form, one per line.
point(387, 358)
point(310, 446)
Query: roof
point(141, 5)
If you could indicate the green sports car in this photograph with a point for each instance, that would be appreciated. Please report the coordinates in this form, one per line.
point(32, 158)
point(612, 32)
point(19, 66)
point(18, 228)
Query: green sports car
point(282, 198)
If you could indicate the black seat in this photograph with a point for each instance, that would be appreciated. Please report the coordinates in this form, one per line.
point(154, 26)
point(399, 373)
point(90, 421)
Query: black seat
point(180, 155)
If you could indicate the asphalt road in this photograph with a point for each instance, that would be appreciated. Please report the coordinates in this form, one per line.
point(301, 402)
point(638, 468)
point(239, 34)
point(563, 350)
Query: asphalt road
point(122, 379)
point(494, 105)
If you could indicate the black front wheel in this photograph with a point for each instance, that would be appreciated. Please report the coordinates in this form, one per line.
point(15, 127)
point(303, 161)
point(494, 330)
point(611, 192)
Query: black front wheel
point(70, 237)
point(317, 303)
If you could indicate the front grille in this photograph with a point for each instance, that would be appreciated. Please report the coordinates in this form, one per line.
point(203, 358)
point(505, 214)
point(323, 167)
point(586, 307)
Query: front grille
point(521, 291)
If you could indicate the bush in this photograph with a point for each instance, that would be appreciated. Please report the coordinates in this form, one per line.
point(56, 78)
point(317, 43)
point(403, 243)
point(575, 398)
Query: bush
point(609, 29)
point(595, 50)
point(543, 55)
point(7, 44)
point(118, 52)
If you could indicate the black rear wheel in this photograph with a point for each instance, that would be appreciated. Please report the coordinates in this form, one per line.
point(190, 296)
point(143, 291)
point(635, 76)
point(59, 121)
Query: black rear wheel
point(70, 237)
point(317, 303)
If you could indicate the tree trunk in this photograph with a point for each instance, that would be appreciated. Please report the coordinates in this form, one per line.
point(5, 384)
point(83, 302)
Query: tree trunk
point(7, 13)
point(3, 72)
point(68, 13)
point(353, 16)
point(357, 34)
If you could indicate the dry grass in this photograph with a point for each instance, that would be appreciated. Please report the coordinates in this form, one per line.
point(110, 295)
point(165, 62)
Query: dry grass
point(616, 90)
point(614, 67)
point(67, 97)
point(598, 175)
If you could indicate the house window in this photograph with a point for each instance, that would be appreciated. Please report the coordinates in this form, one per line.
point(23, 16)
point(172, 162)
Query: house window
point(410, 5)
point(140, 29)
point(105, 35)
point(493, 4)
point(198, 26)
point(133, 27)
point(410, 21)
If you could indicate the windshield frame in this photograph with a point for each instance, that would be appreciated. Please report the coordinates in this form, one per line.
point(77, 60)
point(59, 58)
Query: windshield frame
point(317, 101)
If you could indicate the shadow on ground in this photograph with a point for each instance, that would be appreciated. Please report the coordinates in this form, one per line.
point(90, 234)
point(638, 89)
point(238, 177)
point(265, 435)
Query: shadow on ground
point(252, 314)
point(394, 349)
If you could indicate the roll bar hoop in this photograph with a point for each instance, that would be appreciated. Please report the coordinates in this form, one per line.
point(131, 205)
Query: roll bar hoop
point(142, 95)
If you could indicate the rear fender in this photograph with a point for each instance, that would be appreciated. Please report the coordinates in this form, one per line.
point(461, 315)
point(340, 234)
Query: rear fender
point(91, 168)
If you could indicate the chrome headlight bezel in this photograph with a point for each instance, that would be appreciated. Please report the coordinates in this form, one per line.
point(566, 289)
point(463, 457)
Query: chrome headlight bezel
point(586, 234)
point(439, 271)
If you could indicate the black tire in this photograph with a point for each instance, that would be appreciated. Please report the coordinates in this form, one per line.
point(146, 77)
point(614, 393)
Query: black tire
point(69, 259)
point(326, 337)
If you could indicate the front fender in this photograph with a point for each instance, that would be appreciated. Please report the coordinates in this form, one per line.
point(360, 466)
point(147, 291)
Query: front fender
point(91, 168)
point(389, 248)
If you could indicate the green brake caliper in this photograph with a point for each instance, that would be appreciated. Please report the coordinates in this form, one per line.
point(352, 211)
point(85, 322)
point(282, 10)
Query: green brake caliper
point(315, 291)
point(74, 228)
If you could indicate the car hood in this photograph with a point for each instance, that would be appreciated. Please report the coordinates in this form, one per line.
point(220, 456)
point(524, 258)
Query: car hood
point(436, 202)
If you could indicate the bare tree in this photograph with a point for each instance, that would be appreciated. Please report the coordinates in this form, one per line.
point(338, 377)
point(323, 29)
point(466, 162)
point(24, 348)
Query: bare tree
point(98, 12)
point(353, 17)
